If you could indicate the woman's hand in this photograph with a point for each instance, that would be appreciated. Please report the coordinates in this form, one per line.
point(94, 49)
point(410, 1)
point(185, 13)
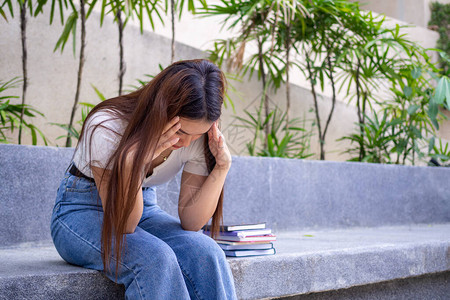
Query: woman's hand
point(218, 147)
point(168, 138)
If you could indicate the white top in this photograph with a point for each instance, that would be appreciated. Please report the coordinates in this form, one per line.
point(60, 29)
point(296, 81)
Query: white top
point(105, 141)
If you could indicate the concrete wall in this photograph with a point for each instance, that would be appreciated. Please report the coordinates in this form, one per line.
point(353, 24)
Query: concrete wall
point(411, 11)
point(52, 76)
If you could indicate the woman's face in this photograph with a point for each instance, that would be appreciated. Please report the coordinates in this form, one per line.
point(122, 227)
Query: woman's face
point(190, 131)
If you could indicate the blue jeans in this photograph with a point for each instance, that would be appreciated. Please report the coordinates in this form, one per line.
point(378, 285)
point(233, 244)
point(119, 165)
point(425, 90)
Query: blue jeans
point(160, 260)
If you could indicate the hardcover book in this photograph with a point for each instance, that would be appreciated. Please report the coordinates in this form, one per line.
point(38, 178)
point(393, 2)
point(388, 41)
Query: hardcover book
point(266, 238)
point(242, 233)
point(232, 227)
point(254, 246)
point(241, 253)
point(240, 243)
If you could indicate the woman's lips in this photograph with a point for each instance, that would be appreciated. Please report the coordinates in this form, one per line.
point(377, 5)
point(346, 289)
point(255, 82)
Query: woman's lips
point(176, 147)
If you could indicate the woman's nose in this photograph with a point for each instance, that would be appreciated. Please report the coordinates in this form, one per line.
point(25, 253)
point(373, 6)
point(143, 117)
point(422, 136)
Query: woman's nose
point(186, 142)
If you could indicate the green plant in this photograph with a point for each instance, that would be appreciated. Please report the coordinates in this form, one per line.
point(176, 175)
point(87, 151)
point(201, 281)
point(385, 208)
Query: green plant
point(286, 138)
point(377, 140)
point(178, 7)
point(24, 5)
point(409, 116)
point(11, 114)
point(73, 132)
point(440, 22)
point(256, 21)
point(440, 156)
point(122, 11)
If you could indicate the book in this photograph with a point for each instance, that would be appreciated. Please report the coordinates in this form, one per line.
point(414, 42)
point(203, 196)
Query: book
point(240, 243)
point(233, 227)
point(266, 238)
point(254, 246)
point(241, 253)
point(242, 233)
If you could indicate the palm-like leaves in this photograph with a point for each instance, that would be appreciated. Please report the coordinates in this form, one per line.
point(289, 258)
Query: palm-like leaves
point(378, 139)
point(10, 114)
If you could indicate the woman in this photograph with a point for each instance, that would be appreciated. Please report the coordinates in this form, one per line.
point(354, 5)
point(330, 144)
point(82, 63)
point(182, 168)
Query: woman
point(106, 216)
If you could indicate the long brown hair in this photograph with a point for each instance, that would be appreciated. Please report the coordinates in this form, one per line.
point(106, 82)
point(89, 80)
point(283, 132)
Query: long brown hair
point(191, 89)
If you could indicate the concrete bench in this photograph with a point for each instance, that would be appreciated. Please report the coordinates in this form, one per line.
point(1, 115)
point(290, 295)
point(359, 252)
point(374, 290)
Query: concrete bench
point(345, 230)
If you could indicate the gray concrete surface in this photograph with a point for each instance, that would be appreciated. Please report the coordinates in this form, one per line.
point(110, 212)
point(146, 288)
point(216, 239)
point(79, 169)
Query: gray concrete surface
point(327, 260)
point(431, 286)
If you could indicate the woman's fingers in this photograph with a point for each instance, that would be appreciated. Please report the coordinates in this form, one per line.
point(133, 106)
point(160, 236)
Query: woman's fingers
point(169, 143)
point(169, 133)
point(168, 138)
point(216, 132)
point(221, 141)
point(171, 124)
point(165, 145)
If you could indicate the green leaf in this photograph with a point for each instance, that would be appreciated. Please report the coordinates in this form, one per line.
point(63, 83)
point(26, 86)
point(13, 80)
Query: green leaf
point(33, 135)
point(443, 91)
point(416, 131)
point(71, 24)
point(416, 72)
point(431, 144)
point(99, 94)
point(432, 113)
point(407, 90)
point(3, 14)
point(412, 109)
point(270, 145)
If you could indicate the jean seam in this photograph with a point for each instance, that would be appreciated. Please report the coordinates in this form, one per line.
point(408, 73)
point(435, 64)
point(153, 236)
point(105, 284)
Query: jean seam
point(96, 248)
point(190, 280)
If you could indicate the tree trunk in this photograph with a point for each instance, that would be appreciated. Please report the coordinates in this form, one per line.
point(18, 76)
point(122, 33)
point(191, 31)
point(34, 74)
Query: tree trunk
point(333, 104)
point(316, 106)
point(264, 95)
point(23, 28)
point(121, 63)
point(80, 70)
point(288, 92)
point(172, 10)
point(360, 113)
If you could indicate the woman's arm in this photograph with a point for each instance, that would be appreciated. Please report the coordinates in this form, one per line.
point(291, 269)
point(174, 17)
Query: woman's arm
point(136, 213)
point(199, 195)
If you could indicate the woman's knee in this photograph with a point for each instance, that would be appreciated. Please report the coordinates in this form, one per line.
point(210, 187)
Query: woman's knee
point(207, 248)
point(147, 250)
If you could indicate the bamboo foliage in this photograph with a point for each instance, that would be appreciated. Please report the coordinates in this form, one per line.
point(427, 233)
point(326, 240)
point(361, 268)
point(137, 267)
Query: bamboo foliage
point(24, 5)
point(340, 47)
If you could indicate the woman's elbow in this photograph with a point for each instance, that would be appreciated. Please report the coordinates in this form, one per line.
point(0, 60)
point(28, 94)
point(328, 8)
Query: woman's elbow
point(190, 227)
point(130, 230)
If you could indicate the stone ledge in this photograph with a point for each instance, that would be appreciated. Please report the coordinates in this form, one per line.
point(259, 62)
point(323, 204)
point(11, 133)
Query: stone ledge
point(329, 260)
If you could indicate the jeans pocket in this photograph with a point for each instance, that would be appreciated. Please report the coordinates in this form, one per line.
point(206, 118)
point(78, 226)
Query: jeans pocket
point(80, 185)
point(81, 190)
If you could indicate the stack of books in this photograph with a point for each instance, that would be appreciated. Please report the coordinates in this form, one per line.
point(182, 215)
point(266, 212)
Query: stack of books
point(244, 239)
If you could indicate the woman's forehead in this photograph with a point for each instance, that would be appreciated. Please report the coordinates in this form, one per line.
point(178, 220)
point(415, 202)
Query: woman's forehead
point(194, 127)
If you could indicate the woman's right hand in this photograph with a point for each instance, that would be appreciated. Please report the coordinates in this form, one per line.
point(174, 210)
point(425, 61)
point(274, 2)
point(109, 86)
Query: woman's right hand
point(168, 138)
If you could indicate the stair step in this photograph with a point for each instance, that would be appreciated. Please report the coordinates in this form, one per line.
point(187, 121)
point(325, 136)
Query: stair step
point(307, 261)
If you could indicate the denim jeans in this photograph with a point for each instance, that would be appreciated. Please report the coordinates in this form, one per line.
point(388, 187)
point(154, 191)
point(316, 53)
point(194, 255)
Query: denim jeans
point(160, 259)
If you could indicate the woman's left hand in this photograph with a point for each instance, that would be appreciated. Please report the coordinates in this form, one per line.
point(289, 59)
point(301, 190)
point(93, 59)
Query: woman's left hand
point(218, 147)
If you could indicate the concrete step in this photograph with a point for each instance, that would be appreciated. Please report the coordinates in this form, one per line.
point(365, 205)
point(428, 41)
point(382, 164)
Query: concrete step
point(431, 286)
point(307, 261)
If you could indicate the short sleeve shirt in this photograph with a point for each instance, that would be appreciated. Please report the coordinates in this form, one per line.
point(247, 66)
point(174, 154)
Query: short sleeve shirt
point(106, 138)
